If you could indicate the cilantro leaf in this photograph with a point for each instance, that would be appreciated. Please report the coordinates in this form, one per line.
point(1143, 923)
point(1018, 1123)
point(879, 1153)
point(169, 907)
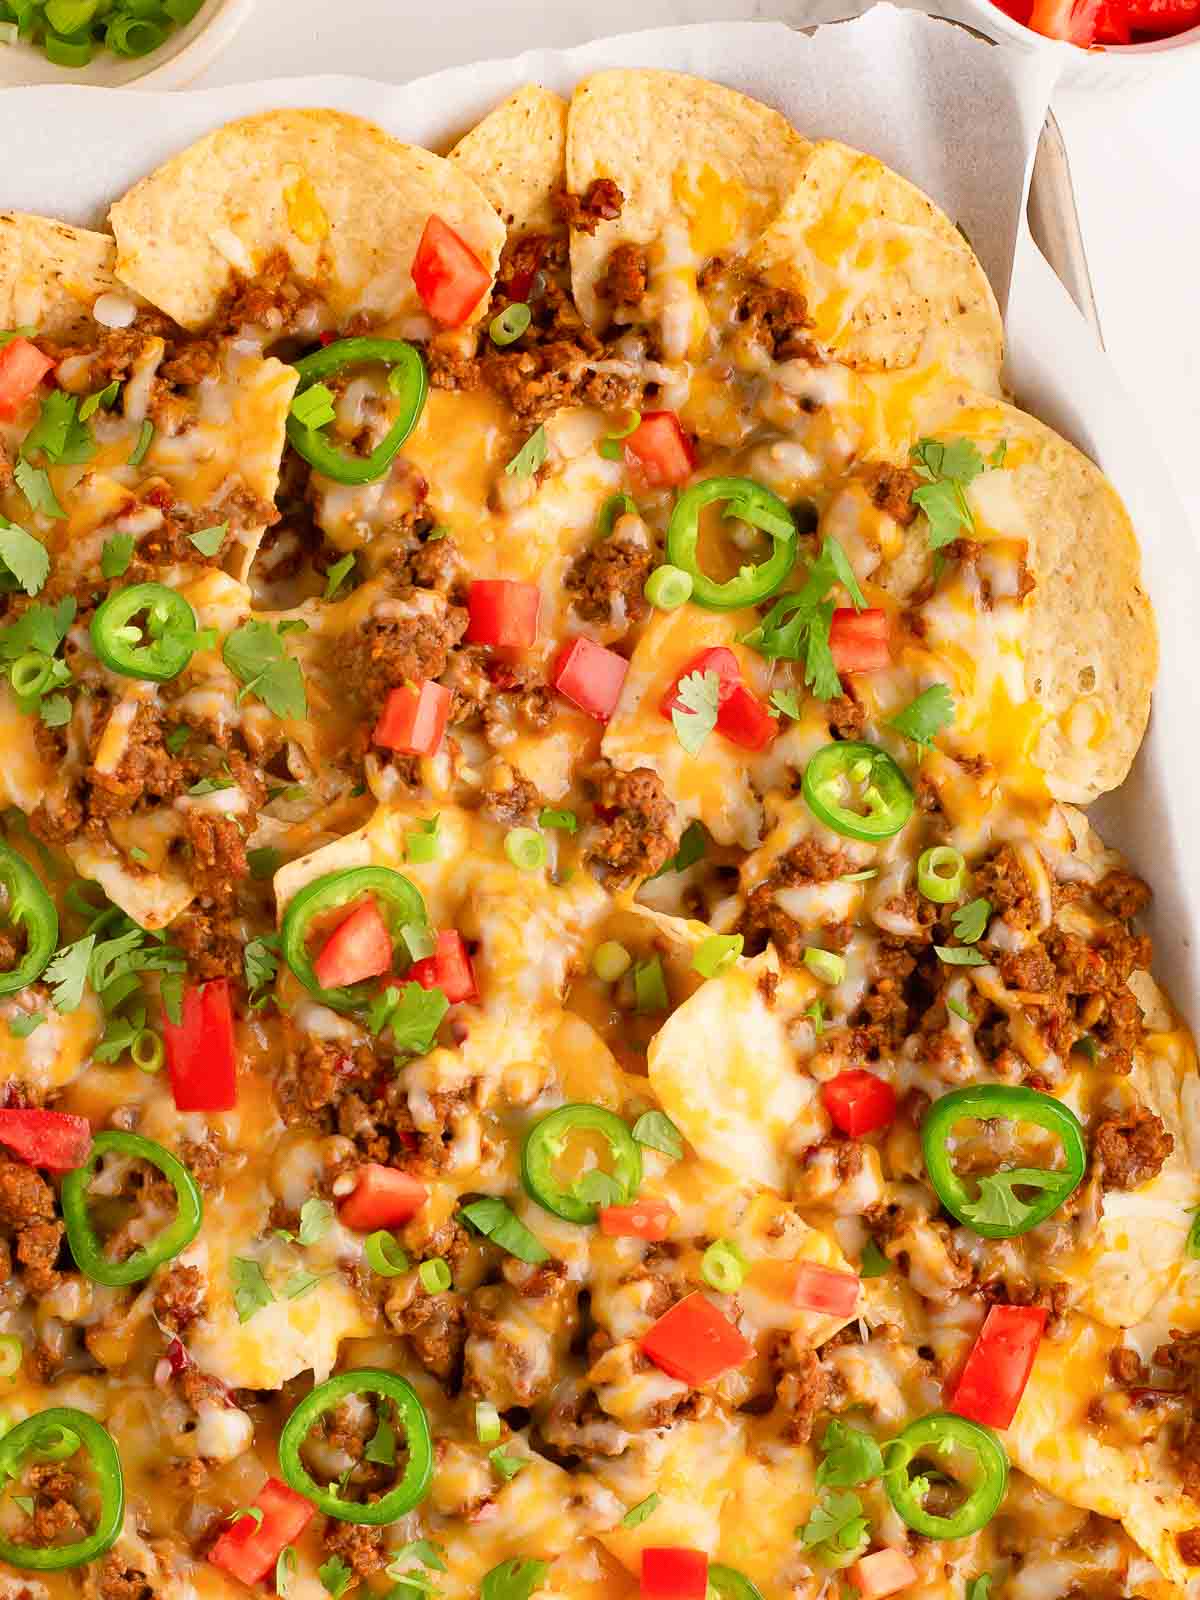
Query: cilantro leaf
point(851, 1457)
point(381, 1447)
point(337, 575)
point(25, 557)
point(785, 702)
point(55, 711)
point(970, 921)
point(336, 1576)
point(68, 972)
point(106, 398)
point(264, 861)
point(925, 717)
point(496, 1220)
point(981, 1587)
point(836, 1520)
point(254, 653)
point(996, 459)
point(302, 1283)
point(116, 555)
point(316, 1219)
point(598, 1188)
point(637, 1514)
point(145, 435)
point(948, 469)
point(797, 626)
point(655, 1129)
point(959, 1010)
point(209, 540)
point(22, 1025)
point(34, 484)
point(515, 1579)
point(953, 955)
point(693, 846)
point(695, 716)
point(251, 1291)
point(58, 432)
point(260, 963)
point(998, 1203)
point(529, 457)
point(507, 1466)
point(874, 1263)
point(412, 1013)
point(422, 1550)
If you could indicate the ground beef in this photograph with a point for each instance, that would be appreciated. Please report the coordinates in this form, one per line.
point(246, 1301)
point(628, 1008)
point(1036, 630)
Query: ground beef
point(38, 1246)
point(763, 919)
point(637, 832)
point(625, 277)
point(1123, 894)
point(1092, 992)
point(845, 715)
point(778, 319)
point(179, 1299)
point(538, 382)
point(359, 1546)
point(509, 798)
point(25, 1196)
point(1003, 880)
point(211, 941)
point(274, 300)
point(426, 563)
point(608, 580)
point(889, 488)
point(386, 651)
point(1131, 1148)
point(113, 1580)
point(600, 202)
point(147, 770)
point(436, 1327)
point(802, 1392)
point(1188, 1545)
point(218, 855)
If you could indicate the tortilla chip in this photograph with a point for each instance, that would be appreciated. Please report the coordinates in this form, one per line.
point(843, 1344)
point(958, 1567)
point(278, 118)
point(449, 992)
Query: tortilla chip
point(344, 200)
point(677, 147)
point(889, 281)
point(517, 156)
point(51, 274)
point(1052, 1441)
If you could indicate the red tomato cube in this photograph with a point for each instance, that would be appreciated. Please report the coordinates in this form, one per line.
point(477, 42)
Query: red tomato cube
point(248, 1550)
point(201, 1056)
point(859, 639)
point(383, 1197)
point(645, 1218)
point(359, 947)
point(448, 969)
point(859, 1102)
point(998, 1367)
point(22, 368)
point(695, 1342)
point(817, 1288)
point(590, 677)
point(449, 277)
point(503, 612)
point(414, 719)
point(881, 1573)
point(661, 449)
point(55, 1140)
point(674, 1574)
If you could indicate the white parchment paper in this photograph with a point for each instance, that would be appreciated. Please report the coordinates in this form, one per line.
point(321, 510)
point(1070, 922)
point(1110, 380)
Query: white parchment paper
point(957, 116)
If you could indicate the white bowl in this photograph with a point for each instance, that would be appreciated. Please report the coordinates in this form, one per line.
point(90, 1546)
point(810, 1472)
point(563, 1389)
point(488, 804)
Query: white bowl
point(185, 55)
point(1106, 67)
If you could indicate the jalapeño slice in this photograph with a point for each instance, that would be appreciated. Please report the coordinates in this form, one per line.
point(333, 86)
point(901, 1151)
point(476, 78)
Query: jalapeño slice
point(845, 769)
point(30, 908)
point(85, 1242)
point(753, 504)
point(399, 903)
point(547, 1141)
point(406, 379)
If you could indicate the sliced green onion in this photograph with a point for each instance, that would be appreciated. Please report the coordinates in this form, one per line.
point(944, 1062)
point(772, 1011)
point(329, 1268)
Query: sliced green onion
point(825, 965)
point(565, 821)
point(668, 587)
point(512, 322)
point(611, 447)
point(941, 872)
point(9, 33)
point(12, 1354)
point(147, 1051)
point(420, 847)
point(716, 953)
point(434, 1275)
point(487, 1422)
point(723, 1266)
point(145, 435)
point(385, 1255)
point(874, 1263)
point(68, 52)
point(525, 848)
point(133, 36)
point(313, 407)
point(31, 673)
point(859, 877)
point(650, 987)
point(285, 1566)
point(419, 940)
point(69, 16)
point(611, 961)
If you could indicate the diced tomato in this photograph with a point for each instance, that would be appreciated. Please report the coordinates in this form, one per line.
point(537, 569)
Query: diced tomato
point(999, 1365)
point(1159, 17)
point(1073, 20)
point(22, 368)
point(383, 1197)
point(645, 1218)
point(674, 1574)
point(659, 446)
point(859, 639)
point(590, 677)
point(448, 969)
point(249, 1550)
point(741, 716)
point(414, 719)
point(359, 947)
point(502, 612)
point(51, 1139)
point(694, 1342)
point(881, 1573)
point(859, 1102)
point(1112, 23)
point(1018, 10)
point(450, 278)
point(201, 1058)
point(817, 1288)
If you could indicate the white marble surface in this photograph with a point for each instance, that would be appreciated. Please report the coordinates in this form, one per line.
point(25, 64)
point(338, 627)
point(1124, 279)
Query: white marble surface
point(1134, 156)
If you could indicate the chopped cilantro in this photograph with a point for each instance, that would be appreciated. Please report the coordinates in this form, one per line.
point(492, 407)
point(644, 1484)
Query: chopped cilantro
point(496, 1220)
point(954, 955)
point(948, 469)
point(116, 555)
point(655, 1129)
point(925, 717)
point(851, 1457)
point(529, 457)
point(22, 1025)
point(337, 575)
point(412, 1013)
point(336, 1576)
point(637, 1514)
point(695, 716)
point(797, 626)
point(693, 846)
point(251, 1291)
point(785, 702)
point(836, 1520)
point(959, 1010)
point(515, 1579)
point(970, 921)
point(105, 399)
point(34, 484)
point(998, 1202)
point(260, 963)
point(145, 435)
point(874, 1263)
point(209, 540)
point(264, 861)
point(24, 556)
point(254, 653)
point(59, 433)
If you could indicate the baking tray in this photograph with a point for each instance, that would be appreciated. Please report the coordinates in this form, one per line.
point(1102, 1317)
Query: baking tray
point(1054, 221)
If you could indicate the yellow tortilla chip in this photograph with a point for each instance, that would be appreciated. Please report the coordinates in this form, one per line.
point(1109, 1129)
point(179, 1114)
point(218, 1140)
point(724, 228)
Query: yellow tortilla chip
point(889, 281)
point(677, 148)
point(517, 156)
point(51, 274)
point(345, 201)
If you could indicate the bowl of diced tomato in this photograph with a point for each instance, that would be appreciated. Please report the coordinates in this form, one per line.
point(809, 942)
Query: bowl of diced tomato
point(1099, 41)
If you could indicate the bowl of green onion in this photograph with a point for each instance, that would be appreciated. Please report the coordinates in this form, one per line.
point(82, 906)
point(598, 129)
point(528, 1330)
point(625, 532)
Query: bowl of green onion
point(161, 44)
